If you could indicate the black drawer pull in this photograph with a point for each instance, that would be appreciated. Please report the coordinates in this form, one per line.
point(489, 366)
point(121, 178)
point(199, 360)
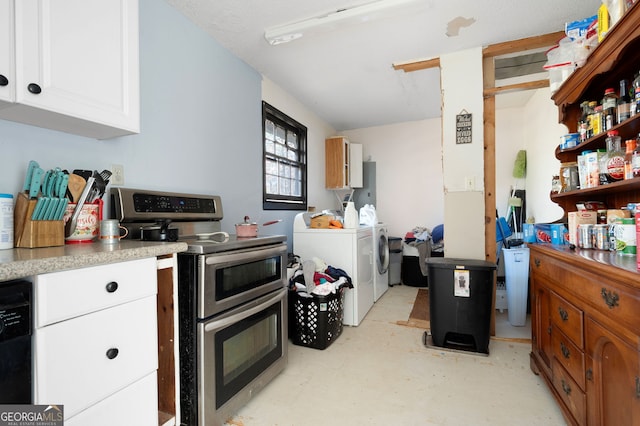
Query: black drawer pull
point(590, 374)
point(112, 353)
point(537, 262)
point(564, 315)
point(610, 298)
point(34, 88)
point(111, 287)
point(565, 351)
point(3, 80)
point(565, 387)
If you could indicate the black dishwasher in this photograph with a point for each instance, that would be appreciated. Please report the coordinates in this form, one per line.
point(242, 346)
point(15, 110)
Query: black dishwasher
point(15, 342)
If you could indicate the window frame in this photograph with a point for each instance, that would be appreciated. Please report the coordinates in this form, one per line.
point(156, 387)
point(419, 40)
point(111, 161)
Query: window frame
point(284, 202)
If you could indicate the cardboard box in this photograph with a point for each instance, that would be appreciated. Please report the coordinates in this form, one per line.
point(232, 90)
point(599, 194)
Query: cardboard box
point(579, 218)
point(321, 222)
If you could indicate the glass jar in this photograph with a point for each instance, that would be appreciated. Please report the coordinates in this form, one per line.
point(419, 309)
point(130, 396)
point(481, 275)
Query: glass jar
point(635, 159)
point(556, 187)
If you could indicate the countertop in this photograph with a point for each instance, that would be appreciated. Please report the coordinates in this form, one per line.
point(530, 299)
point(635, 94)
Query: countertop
point(24, 262)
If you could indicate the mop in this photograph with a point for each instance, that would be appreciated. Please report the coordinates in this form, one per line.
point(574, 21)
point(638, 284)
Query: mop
point(519, 172)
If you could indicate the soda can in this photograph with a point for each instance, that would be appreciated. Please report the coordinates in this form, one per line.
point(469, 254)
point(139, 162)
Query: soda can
point(601, 237)
point(585, 236)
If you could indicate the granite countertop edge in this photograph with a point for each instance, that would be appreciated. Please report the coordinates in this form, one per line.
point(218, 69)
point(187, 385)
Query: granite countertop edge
point(23, 262)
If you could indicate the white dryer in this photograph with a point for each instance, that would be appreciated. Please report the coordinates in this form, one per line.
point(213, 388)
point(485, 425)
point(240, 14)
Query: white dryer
point(348, 249)
point(380, 261)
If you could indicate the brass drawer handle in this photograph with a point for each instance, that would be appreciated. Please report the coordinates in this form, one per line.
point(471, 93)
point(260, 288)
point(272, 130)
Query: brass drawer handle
point(565, 351)
point(564, 315)
point(565, 387)
point(610, 298)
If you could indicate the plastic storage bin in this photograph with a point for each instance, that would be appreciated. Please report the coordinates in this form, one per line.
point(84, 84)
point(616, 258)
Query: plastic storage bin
point(516, 271)
point(395, 260)
point(316, 321)
point(411, 273)
point(460, 294)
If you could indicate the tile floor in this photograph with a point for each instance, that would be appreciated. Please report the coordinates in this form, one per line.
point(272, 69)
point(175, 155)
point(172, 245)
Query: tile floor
point(380, 373)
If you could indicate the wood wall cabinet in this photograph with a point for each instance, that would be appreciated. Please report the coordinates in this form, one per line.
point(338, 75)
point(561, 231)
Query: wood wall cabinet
point(343, 163)
point(586, 303)
point(71, 66)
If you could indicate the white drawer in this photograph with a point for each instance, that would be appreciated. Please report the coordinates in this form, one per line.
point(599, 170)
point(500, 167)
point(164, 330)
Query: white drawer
point(72, 366)
point(68, 294)
point(136, 404)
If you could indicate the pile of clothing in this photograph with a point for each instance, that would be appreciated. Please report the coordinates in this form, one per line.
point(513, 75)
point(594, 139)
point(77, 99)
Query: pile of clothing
point(316, 277)
point(420, 238)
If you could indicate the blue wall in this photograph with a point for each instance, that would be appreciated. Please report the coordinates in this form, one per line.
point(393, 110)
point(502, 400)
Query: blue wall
point(200, 124)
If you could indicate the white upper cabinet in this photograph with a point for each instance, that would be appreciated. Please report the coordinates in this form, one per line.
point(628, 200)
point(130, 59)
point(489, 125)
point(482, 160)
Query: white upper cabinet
point(7, 54)
point(76, 66)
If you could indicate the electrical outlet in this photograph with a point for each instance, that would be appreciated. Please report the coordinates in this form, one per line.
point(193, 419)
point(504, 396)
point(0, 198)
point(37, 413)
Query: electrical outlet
point(469, 183)
point(117, 174)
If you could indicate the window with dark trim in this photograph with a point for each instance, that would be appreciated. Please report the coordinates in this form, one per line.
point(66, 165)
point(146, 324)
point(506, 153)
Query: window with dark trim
point(284, 154)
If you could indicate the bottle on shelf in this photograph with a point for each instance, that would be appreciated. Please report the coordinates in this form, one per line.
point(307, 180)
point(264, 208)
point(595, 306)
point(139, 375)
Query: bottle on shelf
point(609, 104)
point(595, 119)
point(630, 146)
point(635, 159)
point(635, 106)
point(612, 162)
point(623, 108)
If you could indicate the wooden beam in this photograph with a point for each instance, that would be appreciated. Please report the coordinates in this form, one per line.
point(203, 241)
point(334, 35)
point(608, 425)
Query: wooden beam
point(418, 65)
point(529, 85)
point(489, 130)
point(523, 44)
point(492, 50)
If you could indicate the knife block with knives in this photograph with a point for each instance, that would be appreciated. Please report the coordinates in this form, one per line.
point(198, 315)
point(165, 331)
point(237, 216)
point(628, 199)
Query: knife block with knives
point(29, 233)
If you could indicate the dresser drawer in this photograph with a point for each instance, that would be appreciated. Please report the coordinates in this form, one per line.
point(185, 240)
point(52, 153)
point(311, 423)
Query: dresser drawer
point(68, 294)
point(137, 404)
point(76, 363)
point(570, 393)
point(570, 356)
point(568, 319)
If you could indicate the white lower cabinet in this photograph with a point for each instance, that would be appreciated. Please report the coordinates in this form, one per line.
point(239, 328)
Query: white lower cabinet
point(82, 359)
point(133, 405)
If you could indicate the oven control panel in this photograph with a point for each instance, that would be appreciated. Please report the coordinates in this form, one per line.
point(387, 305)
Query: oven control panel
point(137, 205)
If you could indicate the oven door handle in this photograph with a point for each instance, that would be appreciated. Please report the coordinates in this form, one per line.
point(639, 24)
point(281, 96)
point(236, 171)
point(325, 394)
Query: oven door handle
point(217, 324)
point(218, 258)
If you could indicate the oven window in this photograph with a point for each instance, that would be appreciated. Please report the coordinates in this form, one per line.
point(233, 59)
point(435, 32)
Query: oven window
point(245, 349)
point(235, 279)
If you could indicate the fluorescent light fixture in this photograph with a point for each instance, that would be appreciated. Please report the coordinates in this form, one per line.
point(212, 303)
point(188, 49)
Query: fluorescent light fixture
point(354, 15)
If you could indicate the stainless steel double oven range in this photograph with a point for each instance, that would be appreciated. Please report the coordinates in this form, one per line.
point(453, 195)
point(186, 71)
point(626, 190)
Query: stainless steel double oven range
point(232, 300)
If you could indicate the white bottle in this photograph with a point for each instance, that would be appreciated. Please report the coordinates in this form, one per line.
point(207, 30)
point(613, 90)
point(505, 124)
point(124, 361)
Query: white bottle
point(350, 216)
point(6, 221)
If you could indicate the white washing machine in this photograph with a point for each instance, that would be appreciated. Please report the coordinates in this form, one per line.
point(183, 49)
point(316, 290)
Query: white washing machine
point(348, 249)
point(380, 261)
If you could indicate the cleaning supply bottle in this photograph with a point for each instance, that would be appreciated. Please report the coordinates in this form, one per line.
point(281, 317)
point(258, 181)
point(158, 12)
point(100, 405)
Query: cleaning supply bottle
point(350, 216)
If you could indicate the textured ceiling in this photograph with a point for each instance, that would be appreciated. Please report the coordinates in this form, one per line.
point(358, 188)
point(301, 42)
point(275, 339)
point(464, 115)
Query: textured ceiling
point(346, 75)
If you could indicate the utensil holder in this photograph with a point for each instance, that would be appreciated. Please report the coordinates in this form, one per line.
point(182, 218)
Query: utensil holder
point(34, 233)
point(88, 223)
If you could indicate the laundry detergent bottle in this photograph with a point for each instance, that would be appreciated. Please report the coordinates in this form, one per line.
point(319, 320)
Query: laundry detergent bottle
point(350, 216)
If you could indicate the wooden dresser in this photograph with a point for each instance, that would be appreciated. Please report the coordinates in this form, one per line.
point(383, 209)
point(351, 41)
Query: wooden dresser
point(586, 332)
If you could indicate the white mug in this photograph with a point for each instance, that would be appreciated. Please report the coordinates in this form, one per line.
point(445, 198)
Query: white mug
point(111, 231)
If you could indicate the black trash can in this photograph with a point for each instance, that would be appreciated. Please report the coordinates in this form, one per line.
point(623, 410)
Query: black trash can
point(460, 294)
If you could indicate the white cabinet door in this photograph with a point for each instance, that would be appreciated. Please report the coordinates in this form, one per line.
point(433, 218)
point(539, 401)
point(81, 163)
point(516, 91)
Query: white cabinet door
point(136, 404)
point(82, 361)
point(7, 54)
point(77, 66)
